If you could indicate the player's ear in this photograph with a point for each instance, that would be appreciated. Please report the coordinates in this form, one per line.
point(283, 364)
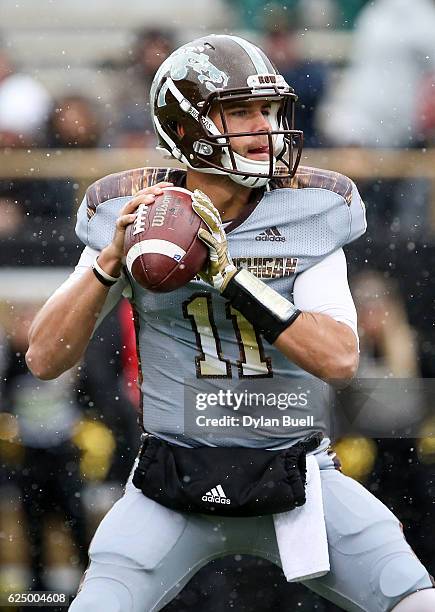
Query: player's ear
point(180, 130)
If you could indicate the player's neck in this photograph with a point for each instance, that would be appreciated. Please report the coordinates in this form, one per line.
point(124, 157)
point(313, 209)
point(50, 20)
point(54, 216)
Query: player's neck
point(228, 197)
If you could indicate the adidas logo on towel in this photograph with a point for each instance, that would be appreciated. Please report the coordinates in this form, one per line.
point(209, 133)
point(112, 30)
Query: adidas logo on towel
point(272, 233)
point(216, 495)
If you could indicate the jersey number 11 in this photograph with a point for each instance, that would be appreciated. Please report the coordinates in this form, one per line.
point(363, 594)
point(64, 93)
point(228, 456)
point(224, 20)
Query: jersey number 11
point(211, 363)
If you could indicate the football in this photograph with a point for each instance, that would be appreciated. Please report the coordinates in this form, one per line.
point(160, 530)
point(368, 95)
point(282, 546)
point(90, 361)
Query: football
point(162, 249)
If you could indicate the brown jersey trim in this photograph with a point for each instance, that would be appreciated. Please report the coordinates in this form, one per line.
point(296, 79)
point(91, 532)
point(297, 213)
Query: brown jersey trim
point(128, 183)
point(316, 178)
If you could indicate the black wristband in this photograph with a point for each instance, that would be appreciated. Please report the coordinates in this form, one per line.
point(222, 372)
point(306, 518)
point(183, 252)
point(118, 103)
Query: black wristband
point(262, 306)
point(105, 279)
point(101, 278)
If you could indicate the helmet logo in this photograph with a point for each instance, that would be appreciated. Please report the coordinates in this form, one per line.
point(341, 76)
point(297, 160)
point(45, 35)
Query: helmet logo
point(192, 58)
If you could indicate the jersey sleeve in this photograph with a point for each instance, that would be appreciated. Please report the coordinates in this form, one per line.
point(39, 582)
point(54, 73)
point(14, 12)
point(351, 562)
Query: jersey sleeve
point(96, 227)
point(99, 210)
point(324, 288)
point(82, 222)
point(324, 210)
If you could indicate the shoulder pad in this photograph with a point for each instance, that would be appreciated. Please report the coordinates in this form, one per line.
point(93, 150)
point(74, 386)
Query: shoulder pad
point(316, 178)
point(128, 183)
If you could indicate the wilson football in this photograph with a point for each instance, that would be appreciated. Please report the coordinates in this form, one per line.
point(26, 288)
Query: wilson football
point(161, 247)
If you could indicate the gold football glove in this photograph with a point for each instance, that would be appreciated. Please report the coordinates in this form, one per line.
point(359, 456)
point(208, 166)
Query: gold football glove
point(265, 308)
point(220, 269)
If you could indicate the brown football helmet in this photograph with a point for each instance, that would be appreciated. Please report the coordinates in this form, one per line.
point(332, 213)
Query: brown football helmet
point(206, 73)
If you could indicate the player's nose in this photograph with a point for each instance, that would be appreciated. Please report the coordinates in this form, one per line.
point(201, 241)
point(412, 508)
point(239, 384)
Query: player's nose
point(261, 123)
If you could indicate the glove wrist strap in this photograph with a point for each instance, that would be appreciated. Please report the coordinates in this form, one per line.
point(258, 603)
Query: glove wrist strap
point(262, 306)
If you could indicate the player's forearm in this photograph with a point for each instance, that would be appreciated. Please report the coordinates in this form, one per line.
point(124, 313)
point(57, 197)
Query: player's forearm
point(315, 342)
point(61, 330)
point(322, 346)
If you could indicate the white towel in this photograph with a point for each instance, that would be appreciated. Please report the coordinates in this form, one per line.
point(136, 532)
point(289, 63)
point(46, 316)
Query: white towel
point(301, 533)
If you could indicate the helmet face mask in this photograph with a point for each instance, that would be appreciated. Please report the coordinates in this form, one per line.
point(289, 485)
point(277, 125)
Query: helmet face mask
point(281, 137)
point(192, 84)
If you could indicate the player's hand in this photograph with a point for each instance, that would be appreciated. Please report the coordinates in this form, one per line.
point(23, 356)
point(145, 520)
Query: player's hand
point(127, 215)
point(220, 268)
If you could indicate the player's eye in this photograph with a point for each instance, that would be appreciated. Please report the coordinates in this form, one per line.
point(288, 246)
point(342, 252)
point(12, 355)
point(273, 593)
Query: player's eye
point(267, 110)
point(238, 112)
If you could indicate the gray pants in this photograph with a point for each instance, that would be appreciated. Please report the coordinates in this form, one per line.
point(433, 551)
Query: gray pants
point(143, 554)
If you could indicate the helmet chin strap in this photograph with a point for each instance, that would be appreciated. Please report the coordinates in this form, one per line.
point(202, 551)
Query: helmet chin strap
point(249, 181)
point(252, 166)
point(243, 164)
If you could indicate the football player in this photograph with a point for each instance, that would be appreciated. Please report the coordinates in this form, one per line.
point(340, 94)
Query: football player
point(273, 303)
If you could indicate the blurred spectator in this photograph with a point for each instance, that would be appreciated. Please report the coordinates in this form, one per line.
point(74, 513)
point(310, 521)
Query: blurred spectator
point(133, 126)
point(49, 478)
point(36, 222)
point(306, 77)
point(74, 121)
point(151, 48)
point(374, 403)
point(388, 345)
point(375, 104)
point(24, 106)
point(426, 110)
point(39, 212)
point(390, 466)
point(12, 215)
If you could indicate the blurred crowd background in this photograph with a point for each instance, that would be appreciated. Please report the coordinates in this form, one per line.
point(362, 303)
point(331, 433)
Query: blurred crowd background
point(74, 85)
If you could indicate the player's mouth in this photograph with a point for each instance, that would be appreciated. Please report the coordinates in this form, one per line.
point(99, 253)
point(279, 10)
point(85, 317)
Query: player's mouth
point(260, 153)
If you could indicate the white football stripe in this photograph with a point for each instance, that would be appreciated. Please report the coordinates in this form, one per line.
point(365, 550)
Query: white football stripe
point(181, 189)
point(155, 246)
point(254, 54)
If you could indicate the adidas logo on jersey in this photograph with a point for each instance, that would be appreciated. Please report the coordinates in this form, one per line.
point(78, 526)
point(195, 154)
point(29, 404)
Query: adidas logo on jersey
point(216, 495)
point(272, 233)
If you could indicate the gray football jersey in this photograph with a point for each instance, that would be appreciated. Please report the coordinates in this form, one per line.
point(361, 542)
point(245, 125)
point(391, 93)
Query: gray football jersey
point(193, 346)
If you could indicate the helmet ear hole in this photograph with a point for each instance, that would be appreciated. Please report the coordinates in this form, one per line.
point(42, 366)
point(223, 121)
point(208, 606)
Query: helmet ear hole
point(180, 130)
